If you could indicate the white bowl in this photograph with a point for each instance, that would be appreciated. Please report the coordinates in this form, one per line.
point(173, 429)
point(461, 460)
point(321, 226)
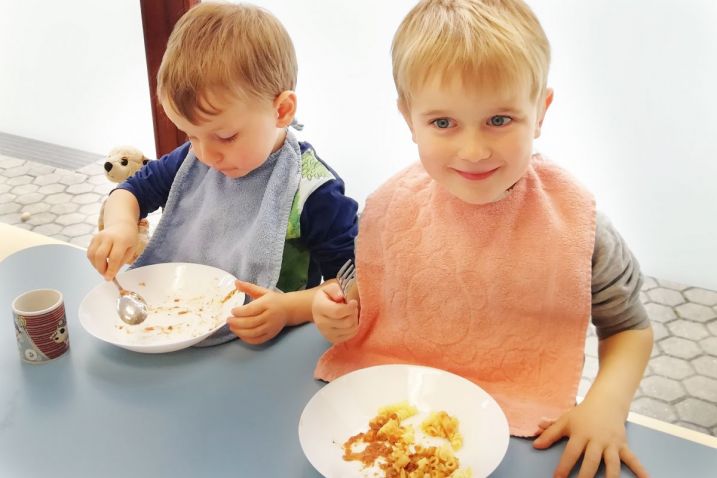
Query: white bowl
point(344, 407)
point(187, 303)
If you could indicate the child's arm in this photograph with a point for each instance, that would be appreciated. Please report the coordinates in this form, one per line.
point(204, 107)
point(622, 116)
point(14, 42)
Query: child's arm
point(596, 426)
point(144, 192)
point(114, 245)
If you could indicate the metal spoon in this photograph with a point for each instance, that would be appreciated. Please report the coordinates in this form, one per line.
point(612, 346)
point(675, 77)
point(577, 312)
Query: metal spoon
point(131, 307)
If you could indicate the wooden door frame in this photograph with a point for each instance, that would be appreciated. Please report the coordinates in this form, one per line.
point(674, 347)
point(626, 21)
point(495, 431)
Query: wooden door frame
point(158, 19)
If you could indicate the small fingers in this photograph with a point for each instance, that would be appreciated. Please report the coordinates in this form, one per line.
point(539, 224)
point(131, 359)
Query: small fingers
point(252, 290)
point(97, 254)
point(549, 435)
point(333, 292)
point(115, 259)
point(570, 456)
point(256, 340)
point(630, 459)
point(344, 336)
point(591, 460)
point(611, 457)
point(545, 423)
point(129, 256)
point(344, 323)
point(252, 309)
point(336, 311)
point(241, 325)
point(254, 336)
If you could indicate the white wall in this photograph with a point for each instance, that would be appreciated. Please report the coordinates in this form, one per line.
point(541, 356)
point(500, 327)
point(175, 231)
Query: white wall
point(634, 117)
point(73, 72)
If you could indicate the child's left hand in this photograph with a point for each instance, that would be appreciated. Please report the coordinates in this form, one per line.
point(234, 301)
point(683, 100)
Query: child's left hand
point(596, 430)
point(262, 318)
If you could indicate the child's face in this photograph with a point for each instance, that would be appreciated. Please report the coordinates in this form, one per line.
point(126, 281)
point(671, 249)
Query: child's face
point(475, 142)
point(240, 138)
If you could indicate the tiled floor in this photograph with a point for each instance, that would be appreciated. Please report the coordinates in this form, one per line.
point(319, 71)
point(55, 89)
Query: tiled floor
point(680, 384)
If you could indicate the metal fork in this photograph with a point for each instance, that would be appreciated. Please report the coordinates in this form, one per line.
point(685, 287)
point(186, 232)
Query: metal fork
point(346, 277)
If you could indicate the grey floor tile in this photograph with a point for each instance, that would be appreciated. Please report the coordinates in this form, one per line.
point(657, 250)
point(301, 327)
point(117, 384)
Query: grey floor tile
point(696, 312)
point(660, 313)
point(672, 285)
point(706, 365)
point(648, 283)
point(654, 408)
point(688, 329)
point(701, 296)
point(680, 347)
point(702, 387)
point(7, 162)
point(671, 367)
point(709, 345)
point(663, 388)
point(664, 296)
point(699, 412)
point(659, 331)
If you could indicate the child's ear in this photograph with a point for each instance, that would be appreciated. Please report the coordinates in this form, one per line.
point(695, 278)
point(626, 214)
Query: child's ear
point(542, 108)
point(405, 112)
point(285, 106)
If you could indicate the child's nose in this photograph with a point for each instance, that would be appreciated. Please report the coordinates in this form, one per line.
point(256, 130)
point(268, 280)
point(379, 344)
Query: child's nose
point(210, 155)
point(475, 148)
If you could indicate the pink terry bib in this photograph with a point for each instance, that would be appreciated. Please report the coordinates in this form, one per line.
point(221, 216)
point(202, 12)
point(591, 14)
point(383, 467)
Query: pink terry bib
point(498, 293)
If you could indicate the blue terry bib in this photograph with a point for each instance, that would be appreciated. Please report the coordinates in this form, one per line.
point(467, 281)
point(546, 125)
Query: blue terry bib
point(238, 225)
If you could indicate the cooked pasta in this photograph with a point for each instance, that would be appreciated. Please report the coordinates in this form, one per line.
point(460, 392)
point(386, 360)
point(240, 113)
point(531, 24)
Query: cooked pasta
point(442, 425)
point(390, 445)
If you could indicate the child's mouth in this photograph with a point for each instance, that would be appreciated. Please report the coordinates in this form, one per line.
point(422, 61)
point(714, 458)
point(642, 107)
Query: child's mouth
point(476, 176)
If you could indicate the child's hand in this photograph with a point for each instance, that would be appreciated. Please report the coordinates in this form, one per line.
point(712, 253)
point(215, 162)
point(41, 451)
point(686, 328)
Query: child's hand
point(597, 431)
point(113, 247)
point(261, 319)
point(336, 319)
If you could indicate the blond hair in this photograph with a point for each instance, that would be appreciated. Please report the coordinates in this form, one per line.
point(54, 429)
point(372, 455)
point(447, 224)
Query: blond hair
point(499, 42)
point(217, 49)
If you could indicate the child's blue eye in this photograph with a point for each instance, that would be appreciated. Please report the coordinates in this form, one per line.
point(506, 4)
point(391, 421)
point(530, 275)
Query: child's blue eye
point(499, 120)
point(442, 123)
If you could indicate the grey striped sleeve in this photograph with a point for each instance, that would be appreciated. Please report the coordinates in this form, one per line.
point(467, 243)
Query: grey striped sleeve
point(616, 282)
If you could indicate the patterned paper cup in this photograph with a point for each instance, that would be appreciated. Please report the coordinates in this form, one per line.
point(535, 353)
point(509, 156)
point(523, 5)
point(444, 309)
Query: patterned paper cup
point(40, 325)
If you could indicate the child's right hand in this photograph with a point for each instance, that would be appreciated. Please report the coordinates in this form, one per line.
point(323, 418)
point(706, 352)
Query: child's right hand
point(113, 247)
point(336, 319)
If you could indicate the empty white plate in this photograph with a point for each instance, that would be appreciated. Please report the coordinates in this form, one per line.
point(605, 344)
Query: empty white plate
point(344, 407)
point(187, 303)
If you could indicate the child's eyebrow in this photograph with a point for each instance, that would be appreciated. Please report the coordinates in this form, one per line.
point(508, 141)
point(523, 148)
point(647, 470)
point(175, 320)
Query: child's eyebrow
point(224, 129)
point(436, 113)
point(509, 110)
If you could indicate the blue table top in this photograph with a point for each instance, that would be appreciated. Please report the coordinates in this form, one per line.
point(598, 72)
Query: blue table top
point(231, 410)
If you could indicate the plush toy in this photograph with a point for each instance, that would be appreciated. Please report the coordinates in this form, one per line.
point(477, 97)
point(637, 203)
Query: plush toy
point(121, 163)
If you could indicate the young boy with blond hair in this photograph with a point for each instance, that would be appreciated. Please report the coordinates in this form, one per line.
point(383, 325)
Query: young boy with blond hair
point(243, 194)
point(484, 259)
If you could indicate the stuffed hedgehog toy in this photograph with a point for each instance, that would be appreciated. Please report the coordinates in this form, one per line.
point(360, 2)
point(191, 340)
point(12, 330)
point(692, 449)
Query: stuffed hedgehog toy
point(121, 163)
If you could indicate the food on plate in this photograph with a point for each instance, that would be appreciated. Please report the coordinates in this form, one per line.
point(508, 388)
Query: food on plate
point(390, 444)
point(442, 425)
point(179, 316)
point(229, 295)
